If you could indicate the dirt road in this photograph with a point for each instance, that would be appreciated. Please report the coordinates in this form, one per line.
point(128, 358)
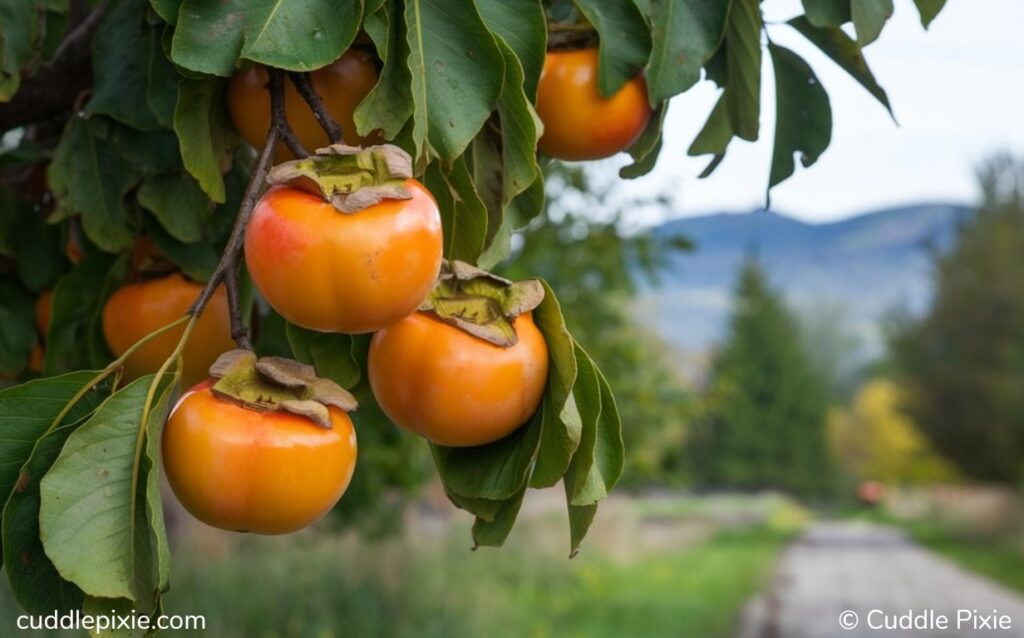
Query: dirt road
point(838, 568)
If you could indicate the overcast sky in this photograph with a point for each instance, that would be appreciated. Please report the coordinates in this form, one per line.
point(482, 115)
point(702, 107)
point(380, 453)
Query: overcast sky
point(957, 91)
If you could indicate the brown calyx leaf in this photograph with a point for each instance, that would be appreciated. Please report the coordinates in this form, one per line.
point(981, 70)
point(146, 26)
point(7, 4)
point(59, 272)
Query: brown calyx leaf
point(231, 361)
point(351, 178)
point(482, 304)
point(286, 372)
point(278, 384)
point(315, 412)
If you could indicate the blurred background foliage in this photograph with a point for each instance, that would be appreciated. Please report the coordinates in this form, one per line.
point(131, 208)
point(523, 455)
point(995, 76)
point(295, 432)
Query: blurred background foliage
point(762, 417)
point(963, 362)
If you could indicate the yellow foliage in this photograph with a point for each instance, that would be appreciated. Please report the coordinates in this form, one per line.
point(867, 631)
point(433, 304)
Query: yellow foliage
point(873, 440)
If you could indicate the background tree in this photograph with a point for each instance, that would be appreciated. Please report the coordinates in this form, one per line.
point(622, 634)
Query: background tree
point(963, 362)
point(762, 423)
point(875, 440)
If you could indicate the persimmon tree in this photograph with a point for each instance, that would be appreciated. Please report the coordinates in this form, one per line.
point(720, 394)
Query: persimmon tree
point(122, 165)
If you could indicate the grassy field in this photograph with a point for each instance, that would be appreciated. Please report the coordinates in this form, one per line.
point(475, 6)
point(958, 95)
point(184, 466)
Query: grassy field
point(670, 569)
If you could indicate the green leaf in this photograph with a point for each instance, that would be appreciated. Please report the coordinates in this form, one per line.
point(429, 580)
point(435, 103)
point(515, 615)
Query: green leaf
point(298, 35)
point(560, 434)
point(684, 33)
point(625, 41)
point(19, 38)
point(27, 412)
point(580, 519)
point(75, 339)
point(197, 259)
point(178, 203)
point(517, 214)
point(646, 149)
point(301, 36)
point(11, 204)
point(463, 214)
point(95, 520)
point(827, 13)
point(331, 354)
point(520, 129)
point(492, 531)
point(111, 607)
point(19, 327)
point(496, 471)
point(489, 177)
point(153, 571)
point(388, 106)
point(457, 70)
point(167, 9)
point(803, 120)
point(481, 508)
point(834, 43)
point(598, 463)
point(716, 68)
point(162, 82)
point(522, 26)
point(869, 18)
point(30, 442)
point(38, 247)
point(929, 9)
point(743, 59)
point(504, 156)
point(120, 63)
point(204, 134)
point(714, 138)
point(55, 19)
point(587, 392)
point(148, 151)
point(88, 176)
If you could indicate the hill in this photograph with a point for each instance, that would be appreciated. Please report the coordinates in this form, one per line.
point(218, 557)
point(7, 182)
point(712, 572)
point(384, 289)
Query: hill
point(842, 276)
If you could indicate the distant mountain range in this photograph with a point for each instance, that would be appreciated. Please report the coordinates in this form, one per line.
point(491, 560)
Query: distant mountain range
point(851, 272)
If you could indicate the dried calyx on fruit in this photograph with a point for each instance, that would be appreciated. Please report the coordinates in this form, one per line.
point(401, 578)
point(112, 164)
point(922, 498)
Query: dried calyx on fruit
point(482, 304)
point(352, 178)
point(278, 384)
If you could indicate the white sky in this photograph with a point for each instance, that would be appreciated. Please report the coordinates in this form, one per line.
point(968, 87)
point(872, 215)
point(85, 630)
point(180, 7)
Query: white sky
point(957, 91)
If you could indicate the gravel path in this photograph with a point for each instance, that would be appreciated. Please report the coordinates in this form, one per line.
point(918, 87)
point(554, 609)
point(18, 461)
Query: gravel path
point(838, 567)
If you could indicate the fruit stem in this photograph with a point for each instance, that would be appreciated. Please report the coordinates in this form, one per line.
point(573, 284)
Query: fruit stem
point(323, 116)
point(279, 119)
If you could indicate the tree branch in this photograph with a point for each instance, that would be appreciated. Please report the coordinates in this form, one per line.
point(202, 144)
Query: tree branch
point(323, 116)
point(55, 86)
point(279, 118)
point(226, 271)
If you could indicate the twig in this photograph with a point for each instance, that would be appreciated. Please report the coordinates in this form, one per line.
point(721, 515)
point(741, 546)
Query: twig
point(323, 116)
point(53, 88)
point(279, 118)
point(82, 31)
point(239, 331)
point(226, 271)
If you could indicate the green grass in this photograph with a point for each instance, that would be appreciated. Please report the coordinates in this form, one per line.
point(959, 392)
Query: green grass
point(645, 571)
point(343, 589)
